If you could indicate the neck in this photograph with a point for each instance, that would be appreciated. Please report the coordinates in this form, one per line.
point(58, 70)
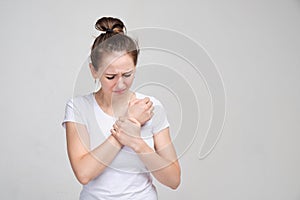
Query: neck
point(113, 104)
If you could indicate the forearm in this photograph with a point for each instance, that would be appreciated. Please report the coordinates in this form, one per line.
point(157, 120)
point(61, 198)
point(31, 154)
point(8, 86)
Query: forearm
point(127, 132)
point(94, 162)
point(165, 171)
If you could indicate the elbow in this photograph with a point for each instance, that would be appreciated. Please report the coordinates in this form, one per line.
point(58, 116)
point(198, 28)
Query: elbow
point(84, 175)
point(176, 182)
point(83, 179)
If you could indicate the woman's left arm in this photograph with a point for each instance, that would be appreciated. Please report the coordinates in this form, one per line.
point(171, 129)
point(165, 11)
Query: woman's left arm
point(162, 162)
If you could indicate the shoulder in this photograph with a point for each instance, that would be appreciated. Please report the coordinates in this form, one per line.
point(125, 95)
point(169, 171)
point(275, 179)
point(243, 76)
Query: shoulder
point(80, 100)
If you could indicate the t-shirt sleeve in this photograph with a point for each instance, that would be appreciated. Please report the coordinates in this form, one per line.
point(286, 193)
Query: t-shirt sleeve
point(160, 120)
point(72, 113)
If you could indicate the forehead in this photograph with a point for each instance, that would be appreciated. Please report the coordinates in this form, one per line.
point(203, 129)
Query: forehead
point(118, 62)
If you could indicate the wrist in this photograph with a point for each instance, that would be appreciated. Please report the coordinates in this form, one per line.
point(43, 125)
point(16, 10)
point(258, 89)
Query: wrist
point(114, 142)
point(135, 121)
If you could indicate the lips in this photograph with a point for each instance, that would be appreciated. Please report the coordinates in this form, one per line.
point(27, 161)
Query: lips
point(120, 91)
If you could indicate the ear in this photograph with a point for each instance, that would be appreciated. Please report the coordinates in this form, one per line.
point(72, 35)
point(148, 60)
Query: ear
point(93, 71)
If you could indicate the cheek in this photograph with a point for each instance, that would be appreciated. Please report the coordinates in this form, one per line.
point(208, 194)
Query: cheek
point(129, 80)
point(107, 84)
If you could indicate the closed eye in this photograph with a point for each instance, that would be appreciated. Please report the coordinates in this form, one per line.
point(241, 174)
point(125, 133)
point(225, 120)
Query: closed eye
point(127, 75)
point(110, 77)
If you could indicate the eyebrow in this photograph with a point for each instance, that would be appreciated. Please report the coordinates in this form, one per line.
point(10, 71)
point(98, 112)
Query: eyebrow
point(122, 74)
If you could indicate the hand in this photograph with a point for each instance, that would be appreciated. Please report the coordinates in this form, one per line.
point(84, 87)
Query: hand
point(140, 109)
point(127, 131)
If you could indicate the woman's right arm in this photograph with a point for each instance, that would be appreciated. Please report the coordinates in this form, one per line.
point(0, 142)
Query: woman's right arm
point(88, 164)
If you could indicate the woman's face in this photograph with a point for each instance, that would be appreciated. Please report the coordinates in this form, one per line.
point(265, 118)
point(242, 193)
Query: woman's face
point(118, 76)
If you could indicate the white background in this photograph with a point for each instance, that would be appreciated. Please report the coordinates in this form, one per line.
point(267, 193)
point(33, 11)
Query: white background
point(255, 44)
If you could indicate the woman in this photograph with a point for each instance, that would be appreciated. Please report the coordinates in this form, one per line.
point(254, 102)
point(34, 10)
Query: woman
point(115, 137)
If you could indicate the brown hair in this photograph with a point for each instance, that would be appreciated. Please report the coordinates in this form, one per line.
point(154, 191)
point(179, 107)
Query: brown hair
point(114, 39)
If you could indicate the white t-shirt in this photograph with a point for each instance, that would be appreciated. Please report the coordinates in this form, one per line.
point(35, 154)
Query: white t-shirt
point(126, 177)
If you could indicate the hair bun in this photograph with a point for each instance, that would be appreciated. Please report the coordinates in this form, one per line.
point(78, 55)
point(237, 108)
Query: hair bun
point(110, 25)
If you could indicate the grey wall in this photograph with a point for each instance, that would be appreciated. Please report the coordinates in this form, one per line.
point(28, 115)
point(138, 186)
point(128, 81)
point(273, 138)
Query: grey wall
point(254, 44)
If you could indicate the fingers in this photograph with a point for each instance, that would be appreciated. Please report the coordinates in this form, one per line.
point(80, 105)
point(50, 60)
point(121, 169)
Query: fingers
point(115, 128)
point(134, 101)
point(121, 123)
point(143, 101)
point(113, 131)
point(151, 109)
point(149, 104)
point(151, 114)
point(146, 99)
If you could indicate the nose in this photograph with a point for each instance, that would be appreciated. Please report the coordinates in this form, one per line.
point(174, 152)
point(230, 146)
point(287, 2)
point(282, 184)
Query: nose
point(120, 84)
